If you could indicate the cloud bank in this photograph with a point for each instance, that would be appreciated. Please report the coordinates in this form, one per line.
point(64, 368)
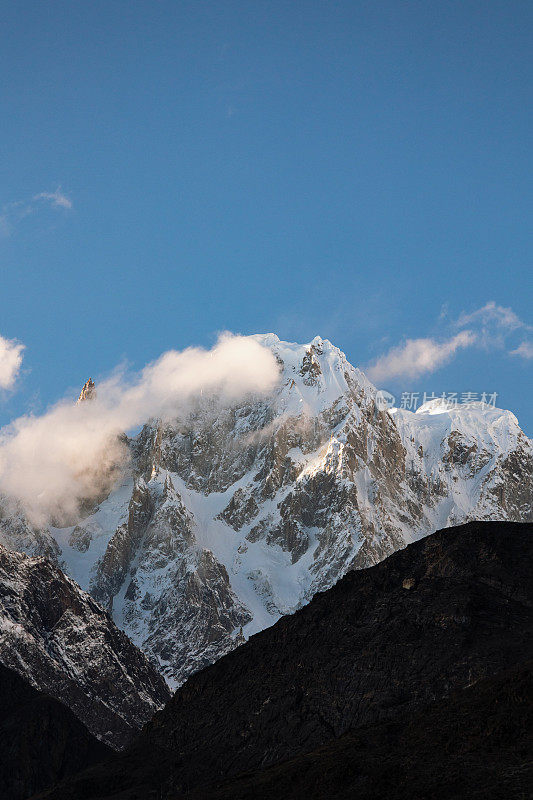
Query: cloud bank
point(10, 362)
point(53, 463)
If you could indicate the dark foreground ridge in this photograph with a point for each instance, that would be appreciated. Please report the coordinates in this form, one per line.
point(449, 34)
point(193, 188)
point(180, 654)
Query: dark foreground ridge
point(41, 741)
point(472, 745)
point(417, 665)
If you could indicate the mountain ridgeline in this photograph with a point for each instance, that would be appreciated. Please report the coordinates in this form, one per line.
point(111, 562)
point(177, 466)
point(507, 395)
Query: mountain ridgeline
point(408, 679)
point(231, 517)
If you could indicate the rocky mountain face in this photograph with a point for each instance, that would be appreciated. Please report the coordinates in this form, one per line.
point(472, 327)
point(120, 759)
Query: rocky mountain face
point(425, 656)
point(229, 518)
point(41, 741)
point(88, 391)
point(61, 642)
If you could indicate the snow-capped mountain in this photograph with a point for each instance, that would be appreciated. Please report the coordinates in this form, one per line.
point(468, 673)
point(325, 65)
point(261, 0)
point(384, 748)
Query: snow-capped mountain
point(230, 518)
point(61, 642)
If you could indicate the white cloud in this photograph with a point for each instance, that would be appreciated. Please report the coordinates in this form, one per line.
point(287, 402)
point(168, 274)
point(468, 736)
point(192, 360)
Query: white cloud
point(51, 463)
point(491, 327)
point(492, 313)
point(10, 362)
point(417, 356)
point(12, 214)
point(525, 350)
point(56, 198)
point(494, 324)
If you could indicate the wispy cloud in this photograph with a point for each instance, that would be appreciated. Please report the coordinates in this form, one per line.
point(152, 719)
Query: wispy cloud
point(10, 361)
point(492, 327)
point(416, 357)
point(57, 198)
point(525, 350)
point(14, 212)
point(494, 324)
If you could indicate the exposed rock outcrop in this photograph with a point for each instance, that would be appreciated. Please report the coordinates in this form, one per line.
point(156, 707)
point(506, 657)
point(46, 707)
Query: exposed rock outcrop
point(60, 641)
point(88, 391)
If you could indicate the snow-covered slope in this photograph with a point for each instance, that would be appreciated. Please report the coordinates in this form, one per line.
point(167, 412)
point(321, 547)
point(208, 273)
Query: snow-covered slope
point(474, 460)
point(232, 517)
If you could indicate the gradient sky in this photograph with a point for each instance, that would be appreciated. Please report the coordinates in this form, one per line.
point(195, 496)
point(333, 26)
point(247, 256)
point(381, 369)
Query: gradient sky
point(358, 170)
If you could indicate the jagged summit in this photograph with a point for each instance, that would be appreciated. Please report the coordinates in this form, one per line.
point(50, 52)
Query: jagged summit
point(88, 391)
point(232, 517)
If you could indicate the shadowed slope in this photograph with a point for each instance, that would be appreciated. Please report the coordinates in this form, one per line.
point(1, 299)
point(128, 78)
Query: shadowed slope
point(41, 741)
point(475, 744)
point(379, 647)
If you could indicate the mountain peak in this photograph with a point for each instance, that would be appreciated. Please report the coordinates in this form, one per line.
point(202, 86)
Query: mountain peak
point(231, 519)
point(88, 391)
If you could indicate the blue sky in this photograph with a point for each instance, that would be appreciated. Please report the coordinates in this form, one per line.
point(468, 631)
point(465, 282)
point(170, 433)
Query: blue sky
point(358, 170)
